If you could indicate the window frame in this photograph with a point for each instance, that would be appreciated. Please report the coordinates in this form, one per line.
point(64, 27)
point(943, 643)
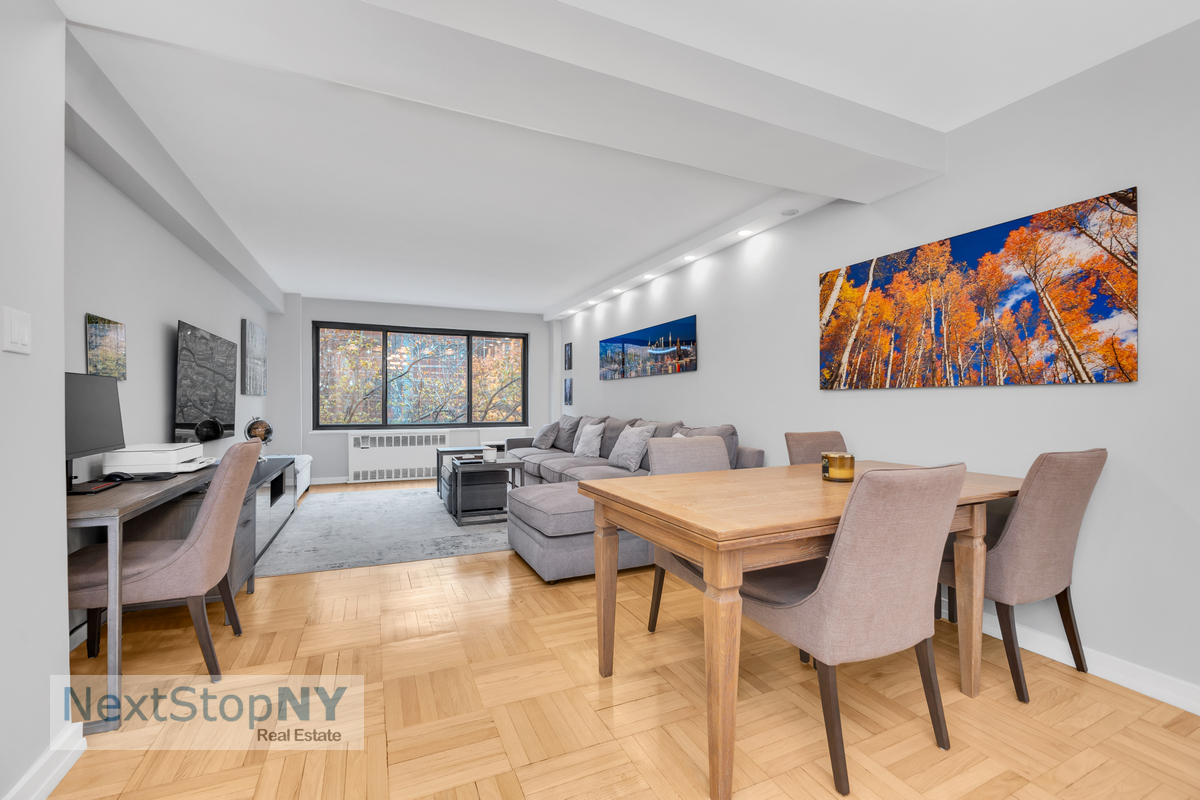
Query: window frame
point(317, 425)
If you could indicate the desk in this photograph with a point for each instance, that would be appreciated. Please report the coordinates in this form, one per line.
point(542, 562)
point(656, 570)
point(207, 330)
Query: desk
point(110, 510)
point(113, 508)
point(750, 519)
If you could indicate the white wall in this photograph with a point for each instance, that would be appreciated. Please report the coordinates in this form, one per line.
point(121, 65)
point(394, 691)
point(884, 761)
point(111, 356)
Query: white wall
point(327, 448)
point(32, 526)
point(1132, 121)
point(123, 265)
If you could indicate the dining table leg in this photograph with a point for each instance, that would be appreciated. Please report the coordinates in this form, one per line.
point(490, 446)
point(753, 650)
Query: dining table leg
point(970, 562)
point(606, 590)
point(722, 651)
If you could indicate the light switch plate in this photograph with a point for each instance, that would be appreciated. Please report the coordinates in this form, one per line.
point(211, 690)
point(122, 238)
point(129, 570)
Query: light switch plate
point(17, 333)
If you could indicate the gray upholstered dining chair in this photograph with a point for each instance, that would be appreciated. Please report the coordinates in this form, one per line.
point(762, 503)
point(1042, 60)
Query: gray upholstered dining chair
point(806, 448)
point(675, 456)
point(1033, 555)
point(870, 597)
point(153, 571)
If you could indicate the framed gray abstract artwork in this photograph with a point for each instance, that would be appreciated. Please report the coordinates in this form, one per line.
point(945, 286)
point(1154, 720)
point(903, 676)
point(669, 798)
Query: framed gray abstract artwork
point(254, 359)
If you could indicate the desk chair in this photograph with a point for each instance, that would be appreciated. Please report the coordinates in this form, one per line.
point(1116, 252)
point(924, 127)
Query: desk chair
point(1034, 554)
point(870, 597)
point(154, 571)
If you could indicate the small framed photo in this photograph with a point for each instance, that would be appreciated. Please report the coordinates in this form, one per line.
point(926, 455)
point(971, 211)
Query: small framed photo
point(105, 347)
point(568, 391)
point(567, 356)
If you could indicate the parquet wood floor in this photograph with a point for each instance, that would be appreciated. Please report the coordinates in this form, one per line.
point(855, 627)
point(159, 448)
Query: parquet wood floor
point(482, 685)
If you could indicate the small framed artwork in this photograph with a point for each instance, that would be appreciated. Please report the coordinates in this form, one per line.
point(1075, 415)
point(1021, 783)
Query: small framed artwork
point(567, 356)
point(105, 346)
point(568, 391)
point(254, 359)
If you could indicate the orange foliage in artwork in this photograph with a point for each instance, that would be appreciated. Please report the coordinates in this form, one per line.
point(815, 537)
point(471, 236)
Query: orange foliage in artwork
point(1050, 298)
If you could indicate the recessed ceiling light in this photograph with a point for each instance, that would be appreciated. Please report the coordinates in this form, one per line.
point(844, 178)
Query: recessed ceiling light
point(689, 258)
point(790, 212)
point(616, 291)
point(647, 277)
point(745, 233)
point(591, 302)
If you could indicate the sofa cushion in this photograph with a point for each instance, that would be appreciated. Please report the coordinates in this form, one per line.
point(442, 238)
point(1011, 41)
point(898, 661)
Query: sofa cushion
point(553, 470)
point(727, 432)
point(584, 421)
point(533, 461)
point(662, 430)
point(545, 436)
point(612, 432)
point(588, 443)
point(521, 452)
point(565, 438)
point(630, 447)
point(600, 473)
point(553, 509)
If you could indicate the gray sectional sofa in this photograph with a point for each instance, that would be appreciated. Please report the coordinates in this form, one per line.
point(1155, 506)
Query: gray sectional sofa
point(551, 525)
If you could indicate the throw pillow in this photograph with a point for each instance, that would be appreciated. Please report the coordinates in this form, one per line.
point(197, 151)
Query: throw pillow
point(588, 445)
point(726, 432)
point(662, 430)
point(584, 421)
point(545, 436)
point(612, 430)
point(630, 447)
point(565, 439)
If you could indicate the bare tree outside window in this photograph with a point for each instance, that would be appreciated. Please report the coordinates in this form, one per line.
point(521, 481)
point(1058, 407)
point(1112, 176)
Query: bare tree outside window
point(350, 376)
point(496, 378)
point(411, 377)
point(427, 378)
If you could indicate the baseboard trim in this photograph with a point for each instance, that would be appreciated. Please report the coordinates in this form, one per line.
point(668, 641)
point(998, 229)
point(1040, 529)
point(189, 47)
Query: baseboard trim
point(326, 481)
point(51, 766)
point(1149, 682)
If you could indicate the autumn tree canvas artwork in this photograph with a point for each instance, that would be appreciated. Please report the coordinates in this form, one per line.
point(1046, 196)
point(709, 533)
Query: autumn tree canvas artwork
point(1050, 298)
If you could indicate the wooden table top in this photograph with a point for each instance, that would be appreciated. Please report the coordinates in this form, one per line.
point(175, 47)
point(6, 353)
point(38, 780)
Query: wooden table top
point(741, 503)
point(128, 498)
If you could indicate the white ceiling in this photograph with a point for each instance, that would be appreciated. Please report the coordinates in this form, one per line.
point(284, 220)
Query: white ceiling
point(523, 156)
point(348, 194)
point(940, 63)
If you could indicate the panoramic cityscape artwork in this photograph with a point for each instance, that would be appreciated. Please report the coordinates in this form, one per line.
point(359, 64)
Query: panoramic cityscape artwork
point(1050, 298)
point(658, 350)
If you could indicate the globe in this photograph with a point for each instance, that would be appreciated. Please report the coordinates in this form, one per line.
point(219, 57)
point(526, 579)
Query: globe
point(259, 429)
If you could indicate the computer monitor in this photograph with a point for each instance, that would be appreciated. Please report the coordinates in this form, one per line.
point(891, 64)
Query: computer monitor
point(93, 417)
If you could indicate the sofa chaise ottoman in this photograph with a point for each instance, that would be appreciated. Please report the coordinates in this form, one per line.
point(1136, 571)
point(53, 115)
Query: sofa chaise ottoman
point(552, 527)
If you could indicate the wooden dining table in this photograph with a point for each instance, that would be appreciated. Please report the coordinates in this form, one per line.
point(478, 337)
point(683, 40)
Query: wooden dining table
point(739, 520)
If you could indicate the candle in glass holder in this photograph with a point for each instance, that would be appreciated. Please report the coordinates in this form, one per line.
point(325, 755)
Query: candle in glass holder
point(837, 467)
point(489, 454)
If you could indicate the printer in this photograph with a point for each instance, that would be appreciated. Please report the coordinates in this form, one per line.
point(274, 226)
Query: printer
point(157, 457)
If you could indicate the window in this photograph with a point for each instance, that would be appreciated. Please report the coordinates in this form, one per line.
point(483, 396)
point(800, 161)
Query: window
point(416, 378)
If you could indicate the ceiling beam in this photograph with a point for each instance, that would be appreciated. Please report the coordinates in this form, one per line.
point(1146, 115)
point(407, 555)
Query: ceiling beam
point(704, 112)
point(103, 130)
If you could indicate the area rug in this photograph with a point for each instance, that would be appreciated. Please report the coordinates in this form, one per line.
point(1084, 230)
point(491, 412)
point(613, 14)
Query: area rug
point(359, 529)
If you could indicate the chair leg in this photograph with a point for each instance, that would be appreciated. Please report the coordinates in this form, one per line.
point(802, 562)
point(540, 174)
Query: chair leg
point(827, 679)
point(1008, 629)
point(199, 611)
point(231, 613)
point(937, 603)
point(952, 604)
point(1066, 610)
point(93, 631)
point(803, 657)
point(933, 692)
point(660, 575)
